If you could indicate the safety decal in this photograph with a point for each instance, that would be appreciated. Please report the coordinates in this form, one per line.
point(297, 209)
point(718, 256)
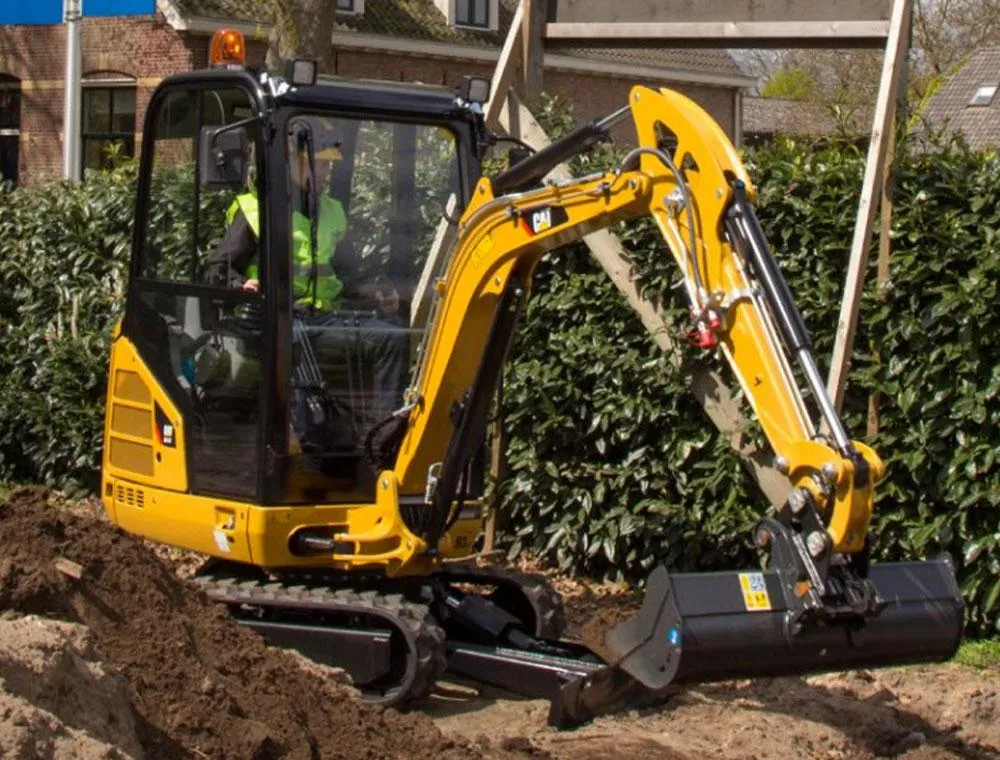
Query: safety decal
point(165, 432)
point(755, 592)
point(541, 218)
point(221, 540)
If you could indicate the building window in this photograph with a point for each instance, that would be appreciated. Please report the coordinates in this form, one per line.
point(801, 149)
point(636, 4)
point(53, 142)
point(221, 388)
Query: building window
point(474, 13)
point(108, 120)
point(10, 127)
point(984, 96)
point(351, 6)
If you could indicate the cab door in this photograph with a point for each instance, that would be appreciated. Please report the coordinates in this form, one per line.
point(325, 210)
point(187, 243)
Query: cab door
point(194, 326)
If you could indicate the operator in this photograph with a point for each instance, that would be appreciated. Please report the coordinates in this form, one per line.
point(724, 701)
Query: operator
point(353, 340)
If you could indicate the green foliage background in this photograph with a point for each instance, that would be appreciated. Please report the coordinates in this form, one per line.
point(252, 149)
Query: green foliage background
point(63, 259)
point(612, 465)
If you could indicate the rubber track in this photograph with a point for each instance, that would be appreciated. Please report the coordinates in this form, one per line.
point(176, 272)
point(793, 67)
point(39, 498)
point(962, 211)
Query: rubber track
point(414, 621)
point(550, 616)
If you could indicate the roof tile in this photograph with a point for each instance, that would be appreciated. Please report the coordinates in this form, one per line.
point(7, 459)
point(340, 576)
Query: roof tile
point(949, 107)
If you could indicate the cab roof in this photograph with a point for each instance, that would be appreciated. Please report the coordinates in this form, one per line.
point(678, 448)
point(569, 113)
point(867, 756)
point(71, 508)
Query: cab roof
point(372, 96)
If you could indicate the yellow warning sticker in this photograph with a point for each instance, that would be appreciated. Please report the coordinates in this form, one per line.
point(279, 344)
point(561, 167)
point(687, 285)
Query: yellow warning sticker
point(755, 592)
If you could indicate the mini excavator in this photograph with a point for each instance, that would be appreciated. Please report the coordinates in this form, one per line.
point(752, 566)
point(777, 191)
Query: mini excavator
point(329, 456)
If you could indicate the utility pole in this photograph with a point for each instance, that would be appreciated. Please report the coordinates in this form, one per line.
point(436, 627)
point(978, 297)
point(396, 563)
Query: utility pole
point(72, 14)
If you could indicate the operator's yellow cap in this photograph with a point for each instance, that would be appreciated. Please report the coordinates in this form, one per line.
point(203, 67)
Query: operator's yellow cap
point(331, 153)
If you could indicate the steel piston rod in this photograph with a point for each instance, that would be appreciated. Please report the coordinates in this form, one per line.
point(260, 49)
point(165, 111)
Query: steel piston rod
point(791, 326)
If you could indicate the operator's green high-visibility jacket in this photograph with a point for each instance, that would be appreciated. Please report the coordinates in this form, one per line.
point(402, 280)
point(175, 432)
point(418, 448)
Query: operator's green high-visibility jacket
point(332, 226)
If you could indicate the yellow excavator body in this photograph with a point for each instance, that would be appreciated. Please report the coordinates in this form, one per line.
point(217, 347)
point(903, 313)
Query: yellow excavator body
point(252, 421)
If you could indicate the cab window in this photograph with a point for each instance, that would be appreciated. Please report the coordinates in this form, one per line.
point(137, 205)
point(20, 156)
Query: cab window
point(185, 222)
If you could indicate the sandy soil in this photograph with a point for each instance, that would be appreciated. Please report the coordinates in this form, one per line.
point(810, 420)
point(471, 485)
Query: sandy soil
point(919, 713)
point(129, 661)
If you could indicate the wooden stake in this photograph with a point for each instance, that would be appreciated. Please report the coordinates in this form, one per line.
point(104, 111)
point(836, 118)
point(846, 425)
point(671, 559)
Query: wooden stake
point(533, 48)
point(497, 444)
point(884, 250)
point(885, 235)
point(885, 113)
point(505, 69)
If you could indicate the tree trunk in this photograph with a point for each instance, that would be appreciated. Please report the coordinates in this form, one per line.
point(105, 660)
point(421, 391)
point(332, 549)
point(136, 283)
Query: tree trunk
point(302, 29)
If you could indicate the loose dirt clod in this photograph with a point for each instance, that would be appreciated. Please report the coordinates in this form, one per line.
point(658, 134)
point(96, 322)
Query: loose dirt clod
point(196, 684)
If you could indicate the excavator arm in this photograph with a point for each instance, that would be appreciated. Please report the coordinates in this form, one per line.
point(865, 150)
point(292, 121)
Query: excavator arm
point(819, 605)
point(688, 177)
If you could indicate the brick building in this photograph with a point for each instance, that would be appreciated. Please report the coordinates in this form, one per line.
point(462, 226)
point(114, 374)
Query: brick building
point(433, 41)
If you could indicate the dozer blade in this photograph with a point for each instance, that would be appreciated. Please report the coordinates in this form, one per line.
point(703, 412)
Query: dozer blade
point(699, 627)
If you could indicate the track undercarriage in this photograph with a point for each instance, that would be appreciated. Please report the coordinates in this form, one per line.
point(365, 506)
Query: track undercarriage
point(397, 637)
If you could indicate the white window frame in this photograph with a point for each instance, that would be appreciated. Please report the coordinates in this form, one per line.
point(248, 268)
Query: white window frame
point(492, 16)
point(357, 8)
point(983, 96)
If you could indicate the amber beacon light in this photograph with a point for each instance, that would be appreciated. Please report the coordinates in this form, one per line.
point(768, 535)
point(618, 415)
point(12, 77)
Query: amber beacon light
point(227, 50)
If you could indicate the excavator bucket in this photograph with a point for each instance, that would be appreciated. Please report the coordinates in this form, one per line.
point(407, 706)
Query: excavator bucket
point(699, 627)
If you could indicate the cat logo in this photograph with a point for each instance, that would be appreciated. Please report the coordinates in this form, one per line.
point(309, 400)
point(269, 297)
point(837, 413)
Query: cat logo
point(165, 431)
point(542, 218)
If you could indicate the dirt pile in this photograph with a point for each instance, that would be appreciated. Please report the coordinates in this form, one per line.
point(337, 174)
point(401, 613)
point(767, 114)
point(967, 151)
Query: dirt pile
point(196, 684)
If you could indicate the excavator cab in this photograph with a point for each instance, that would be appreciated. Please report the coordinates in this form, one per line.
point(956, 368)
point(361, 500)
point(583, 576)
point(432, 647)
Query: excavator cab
point(322, 295)
point(279, 366)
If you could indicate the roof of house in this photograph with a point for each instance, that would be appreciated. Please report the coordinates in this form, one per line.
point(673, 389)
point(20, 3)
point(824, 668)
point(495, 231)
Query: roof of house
point(952, 104)
point(421, 20)
point(797, 118)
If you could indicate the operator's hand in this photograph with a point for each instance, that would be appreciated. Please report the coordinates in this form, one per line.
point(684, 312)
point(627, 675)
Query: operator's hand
point(252, 285)
point(388, 301)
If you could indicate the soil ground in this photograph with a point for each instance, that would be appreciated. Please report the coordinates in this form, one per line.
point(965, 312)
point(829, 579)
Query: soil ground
point(106, 653)
point(128, 661)
point(925, 713)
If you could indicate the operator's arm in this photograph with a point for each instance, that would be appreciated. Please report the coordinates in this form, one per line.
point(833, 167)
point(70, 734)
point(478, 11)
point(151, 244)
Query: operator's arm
point(361, 291)
point(229, 261)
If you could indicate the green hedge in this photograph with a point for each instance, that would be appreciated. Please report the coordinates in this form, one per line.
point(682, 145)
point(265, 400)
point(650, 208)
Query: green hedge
point(613, 466)
point(64, 254)
point(63, 258)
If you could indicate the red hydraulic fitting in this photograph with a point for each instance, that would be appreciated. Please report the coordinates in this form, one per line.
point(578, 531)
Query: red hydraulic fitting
point(706, 325)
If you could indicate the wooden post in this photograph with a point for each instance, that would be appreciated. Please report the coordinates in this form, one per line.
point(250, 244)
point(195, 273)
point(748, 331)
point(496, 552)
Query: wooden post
point(503, 76)
point(886, 211)
point(884, 250)
point(885, 109)
point(533, 48)
point(718, 34)
point(497, 444)
point(505, 69)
